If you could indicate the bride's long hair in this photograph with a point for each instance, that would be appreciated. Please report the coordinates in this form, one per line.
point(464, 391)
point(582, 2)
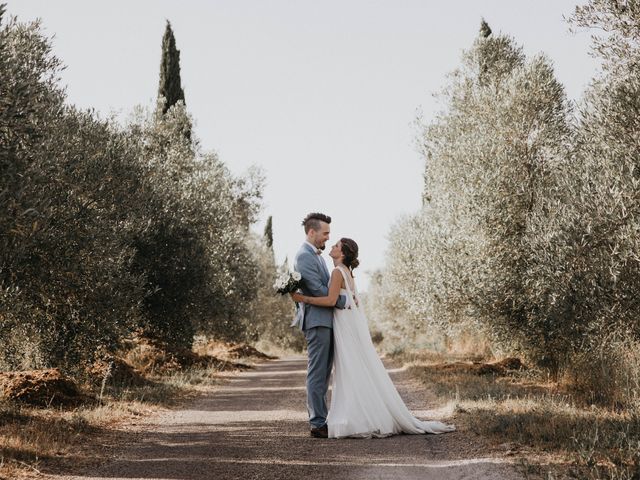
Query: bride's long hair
point(350, 252)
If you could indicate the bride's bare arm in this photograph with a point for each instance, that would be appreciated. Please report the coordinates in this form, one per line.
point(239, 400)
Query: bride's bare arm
point(330, 300)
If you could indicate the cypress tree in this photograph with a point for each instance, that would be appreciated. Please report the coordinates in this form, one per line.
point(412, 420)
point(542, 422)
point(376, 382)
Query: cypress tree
point(284, 268)
point(268, 232)
point(485, 30)
point(170, 85)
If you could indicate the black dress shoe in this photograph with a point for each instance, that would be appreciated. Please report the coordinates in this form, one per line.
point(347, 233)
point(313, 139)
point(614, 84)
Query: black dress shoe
point(320, 432)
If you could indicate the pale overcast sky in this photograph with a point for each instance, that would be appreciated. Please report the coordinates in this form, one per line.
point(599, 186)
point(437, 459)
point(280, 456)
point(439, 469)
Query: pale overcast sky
point(321, 94)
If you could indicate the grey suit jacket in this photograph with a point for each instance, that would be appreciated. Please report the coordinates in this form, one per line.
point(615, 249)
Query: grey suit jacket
point(315, 283)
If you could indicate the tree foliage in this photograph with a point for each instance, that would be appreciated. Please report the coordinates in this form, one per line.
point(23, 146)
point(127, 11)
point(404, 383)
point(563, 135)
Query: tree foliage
point(108, 229)
point(529, 223)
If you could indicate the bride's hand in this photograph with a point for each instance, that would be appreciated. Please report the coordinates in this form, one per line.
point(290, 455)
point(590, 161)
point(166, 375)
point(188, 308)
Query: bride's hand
point(297, 297)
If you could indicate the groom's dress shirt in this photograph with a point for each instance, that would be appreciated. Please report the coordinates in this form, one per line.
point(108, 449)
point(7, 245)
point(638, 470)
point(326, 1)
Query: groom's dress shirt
point(315, 249)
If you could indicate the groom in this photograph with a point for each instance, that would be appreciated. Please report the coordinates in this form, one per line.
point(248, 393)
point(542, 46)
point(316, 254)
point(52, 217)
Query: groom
point(316, 322)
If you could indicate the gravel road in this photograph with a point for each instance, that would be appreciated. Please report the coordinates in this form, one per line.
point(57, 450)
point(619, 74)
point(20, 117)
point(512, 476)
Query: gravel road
point(254, 426)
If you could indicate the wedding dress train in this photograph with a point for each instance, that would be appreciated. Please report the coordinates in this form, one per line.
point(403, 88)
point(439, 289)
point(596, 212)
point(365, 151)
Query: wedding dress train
point(364, 400)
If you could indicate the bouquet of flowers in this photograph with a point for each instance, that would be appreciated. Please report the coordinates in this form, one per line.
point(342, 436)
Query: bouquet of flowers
point(287, 283)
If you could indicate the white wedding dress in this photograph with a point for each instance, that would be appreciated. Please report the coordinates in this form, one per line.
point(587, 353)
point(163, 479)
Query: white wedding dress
point(364, 401)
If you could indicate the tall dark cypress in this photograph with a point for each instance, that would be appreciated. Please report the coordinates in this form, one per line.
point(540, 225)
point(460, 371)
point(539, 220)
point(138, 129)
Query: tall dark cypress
point(485, 29)
point(170, 85)
point(268, 232)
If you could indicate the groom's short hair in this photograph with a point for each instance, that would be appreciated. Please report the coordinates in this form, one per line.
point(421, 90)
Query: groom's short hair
point(312, 221)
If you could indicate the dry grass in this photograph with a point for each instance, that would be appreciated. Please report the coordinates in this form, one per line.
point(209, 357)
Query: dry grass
point(525, 407)
point(35, 438)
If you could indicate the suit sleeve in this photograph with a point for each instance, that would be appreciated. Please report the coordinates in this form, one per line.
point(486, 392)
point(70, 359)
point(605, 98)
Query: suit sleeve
point(312, 279)
point(341, 302)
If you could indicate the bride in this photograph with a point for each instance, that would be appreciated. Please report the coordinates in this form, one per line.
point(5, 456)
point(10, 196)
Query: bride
point(364, 401)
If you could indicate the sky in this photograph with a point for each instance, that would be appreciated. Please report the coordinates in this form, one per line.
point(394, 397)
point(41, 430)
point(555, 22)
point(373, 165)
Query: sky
point(323, 96)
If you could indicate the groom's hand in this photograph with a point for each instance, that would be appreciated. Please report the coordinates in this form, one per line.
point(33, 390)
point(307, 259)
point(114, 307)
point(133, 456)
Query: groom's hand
point(341, 302)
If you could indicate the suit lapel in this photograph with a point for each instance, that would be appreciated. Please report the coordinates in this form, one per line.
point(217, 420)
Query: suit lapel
point(324, 268)
point(323, 265)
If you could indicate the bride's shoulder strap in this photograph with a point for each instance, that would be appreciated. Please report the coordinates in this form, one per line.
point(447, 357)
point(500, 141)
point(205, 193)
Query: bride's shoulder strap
point(338, 269)
point(346, 280)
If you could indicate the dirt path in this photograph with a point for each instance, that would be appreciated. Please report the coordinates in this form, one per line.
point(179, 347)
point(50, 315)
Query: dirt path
point(255, 427)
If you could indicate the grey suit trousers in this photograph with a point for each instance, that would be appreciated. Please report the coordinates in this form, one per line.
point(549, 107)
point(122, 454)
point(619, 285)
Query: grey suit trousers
point(320, 349)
